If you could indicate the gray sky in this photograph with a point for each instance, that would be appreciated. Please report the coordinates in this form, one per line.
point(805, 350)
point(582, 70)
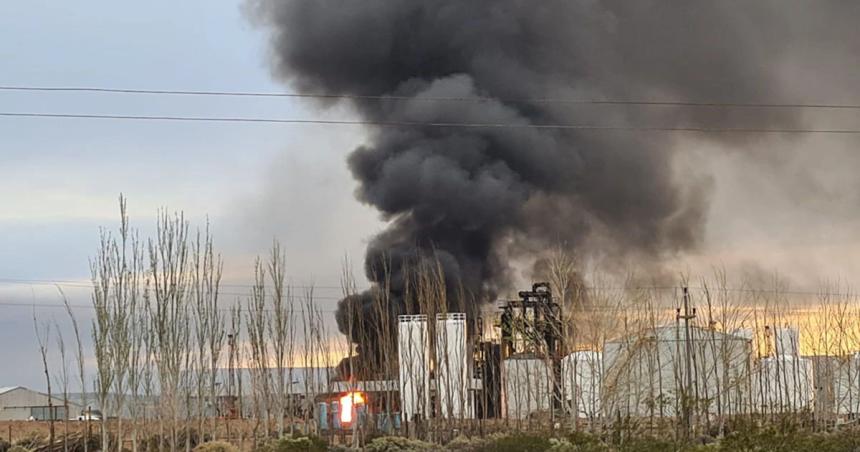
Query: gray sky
point(793, 211)
point(59, 179)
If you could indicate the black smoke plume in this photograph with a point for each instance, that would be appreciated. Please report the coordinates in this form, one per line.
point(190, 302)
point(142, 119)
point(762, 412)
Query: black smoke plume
point(474, 198)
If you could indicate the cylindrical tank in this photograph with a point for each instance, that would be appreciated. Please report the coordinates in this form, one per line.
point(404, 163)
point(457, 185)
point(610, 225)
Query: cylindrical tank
point(786, 383)
point(582, 375)
point(527, 386)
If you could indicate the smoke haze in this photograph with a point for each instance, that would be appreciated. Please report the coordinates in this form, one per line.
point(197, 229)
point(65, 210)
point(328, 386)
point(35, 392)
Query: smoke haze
point(478, 198)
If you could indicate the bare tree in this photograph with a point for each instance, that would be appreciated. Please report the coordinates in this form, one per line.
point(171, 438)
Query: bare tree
point(79, 359)
point(208, 324)
point(63, 377)
point(168, 311)
point(257, 327)
point(43, 342)
point(117, 274)
point(279, 331)
point(234, 358)
point(138, 360)
point(101, 270)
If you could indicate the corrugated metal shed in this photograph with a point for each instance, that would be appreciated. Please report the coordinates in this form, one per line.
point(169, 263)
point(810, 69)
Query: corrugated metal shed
point(18, 403)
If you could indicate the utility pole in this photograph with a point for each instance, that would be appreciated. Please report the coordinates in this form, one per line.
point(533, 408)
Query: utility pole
point(688, 361)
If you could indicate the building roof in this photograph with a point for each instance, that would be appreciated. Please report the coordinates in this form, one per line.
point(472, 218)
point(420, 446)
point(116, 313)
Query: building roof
point(4, 390)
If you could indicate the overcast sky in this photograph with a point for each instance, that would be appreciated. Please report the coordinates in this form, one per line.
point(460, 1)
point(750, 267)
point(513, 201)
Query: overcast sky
point(60, 179)
point(793, 211)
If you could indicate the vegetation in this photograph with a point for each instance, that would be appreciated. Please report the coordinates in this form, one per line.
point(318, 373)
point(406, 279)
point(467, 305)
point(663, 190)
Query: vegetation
point(216, 446)
point(188, 364)
point(31, 440)
point(294, 444)
point(398, 444)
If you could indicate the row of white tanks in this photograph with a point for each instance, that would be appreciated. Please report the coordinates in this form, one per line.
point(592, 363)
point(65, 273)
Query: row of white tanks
point(451, 382)
point(641, 375)
point(648, 375)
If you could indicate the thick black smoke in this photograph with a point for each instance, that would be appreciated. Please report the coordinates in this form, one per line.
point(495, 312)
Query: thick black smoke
point(472, 196)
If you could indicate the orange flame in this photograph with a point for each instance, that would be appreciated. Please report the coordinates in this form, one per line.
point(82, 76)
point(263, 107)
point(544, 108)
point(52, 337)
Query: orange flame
point(347, 404)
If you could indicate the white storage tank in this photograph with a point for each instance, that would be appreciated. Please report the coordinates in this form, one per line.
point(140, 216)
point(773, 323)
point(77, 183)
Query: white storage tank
point(414, 359)
point(785, 384)
point(527, 385)
point(582, 375)
point(845, 381)
point(452, 366)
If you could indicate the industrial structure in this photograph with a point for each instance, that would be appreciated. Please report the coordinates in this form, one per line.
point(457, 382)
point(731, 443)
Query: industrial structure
point(447, 369)
point(18, 403)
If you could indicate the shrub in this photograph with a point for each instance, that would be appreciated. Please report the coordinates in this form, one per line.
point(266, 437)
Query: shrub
point(340, 448)
point(647, 444)
point(584, 442)
point(31, 440)
point(466, 444)
point(289, 443)
point(152, 442)
point(397, 444)
point(4, 445)
point(216, 446)
point(18, 449)
point(517, 443)
point(561, 445)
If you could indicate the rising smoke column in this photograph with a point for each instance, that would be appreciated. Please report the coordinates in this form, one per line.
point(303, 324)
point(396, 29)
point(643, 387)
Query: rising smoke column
point(473, 197)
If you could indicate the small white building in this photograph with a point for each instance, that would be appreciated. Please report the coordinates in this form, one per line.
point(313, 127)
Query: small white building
point(18, 403)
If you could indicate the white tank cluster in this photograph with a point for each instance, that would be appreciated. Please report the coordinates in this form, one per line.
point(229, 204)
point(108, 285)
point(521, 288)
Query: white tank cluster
point(622, 378)
point(451, 383)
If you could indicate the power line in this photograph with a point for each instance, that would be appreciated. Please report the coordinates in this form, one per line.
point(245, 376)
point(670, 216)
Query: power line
point(691, 129)
point(478, 99)
point(87, 284)
point(754, 290)
point(90, 307)
point(587, 309)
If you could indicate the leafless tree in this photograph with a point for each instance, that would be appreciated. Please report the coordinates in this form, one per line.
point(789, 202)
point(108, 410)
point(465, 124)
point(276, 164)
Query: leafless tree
point(63, 378)
point(79, 360)
point(117, 275)
point(208, 325)
point(43, 338)
point(279, 332)
point(257, 327)
point(168, 311)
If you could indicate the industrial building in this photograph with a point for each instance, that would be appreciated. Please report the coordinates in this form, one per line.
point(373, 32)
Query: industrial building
point(447, 370)
point(18, 403)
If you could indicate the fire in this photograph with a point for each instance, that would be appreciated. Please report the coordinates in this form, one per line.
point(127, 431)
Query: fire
point(348, 403)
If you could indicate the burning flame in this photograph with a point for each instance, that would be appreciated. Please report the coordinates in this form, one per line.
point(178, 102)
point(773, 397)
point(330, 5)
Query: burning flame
point(347, 404)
